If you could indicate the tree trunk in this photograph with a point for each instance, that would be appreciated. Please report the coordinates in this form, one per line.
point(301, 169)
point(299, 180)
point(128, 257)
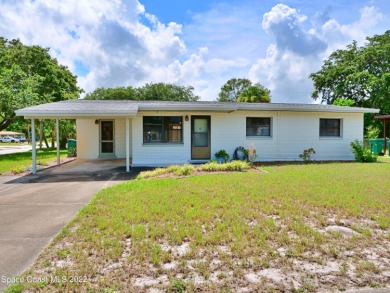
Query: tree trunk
point(4, 124)
point(44, 138)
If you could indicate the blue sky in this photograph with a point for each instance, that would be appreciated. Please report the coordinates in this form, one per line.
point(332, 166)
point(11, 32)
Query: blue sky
point(111, 43)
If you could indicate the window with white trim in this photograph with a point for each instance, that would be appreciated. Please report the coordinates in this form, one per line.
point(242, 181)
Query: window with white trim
point(258, 126)
point(162, 129)
point(330, 127)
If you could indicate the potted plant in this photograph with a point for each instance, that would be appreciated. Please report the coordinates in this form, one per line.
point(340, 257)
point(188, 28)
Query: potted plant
point(222, 156)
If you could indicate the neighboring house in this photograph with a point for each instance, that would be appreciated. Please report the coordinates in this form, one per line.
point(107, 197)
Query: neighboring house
point(10, 133)
point(156, 133)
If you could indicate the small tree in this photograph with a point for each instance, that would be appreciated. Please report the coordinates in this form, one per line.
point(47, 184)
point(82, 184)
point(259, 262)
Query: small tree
point(255, 94)
point(233, 89)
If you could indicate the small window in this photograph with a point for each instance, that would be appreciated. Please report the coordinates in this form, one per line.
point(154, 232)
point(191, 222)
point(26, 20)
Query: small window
point(330, 127)
point(258, 126)
point(163, 129)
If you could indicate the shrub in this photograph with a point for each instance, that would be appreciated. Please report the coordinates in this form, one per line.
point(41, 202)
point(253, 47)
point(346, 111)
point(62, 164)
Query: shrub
point(222, 154)
point(306, 155)
point(362, 153)
point(72, 152)
point(186, 170)
point(18, 169)
point(251, 153)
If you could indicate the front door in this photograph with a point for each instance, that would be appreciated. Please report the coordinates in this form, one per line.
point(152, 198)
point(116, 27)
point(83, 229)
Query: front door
point(200, 137)
point(106, 138)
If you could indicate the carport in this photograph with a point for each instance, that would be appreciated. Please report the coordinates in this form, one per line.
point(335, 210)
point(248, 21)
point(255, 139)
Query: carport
point(69, 110)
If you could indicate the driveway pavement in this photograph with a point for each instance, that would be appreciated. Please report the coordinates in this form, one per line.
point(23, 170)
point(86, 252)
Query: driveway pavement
point(15, 148)
point(34, 208)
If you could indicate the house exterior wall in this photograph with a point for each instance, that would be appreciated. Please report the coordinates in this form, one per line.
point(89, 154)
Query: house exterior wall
point(291, 133)
point(88, 139)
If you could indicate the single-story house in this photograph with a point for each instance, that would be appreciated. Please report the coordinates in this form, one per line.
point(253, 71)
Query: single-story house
point(9, 133)
point(159, 133)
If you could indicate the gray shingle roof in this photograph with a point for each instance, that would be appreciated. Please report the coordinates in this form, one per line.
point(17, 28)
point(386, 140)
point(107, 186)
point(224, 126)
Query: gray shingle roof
point(116, 108)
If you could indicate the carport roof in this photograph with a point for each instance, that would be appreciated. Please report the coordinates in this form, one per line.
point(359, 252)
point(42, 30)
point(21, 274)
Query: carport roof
point(120, 108)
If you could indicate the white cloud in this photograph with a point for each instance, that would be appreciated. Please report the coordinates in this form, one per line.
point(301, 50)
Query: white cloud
point(106, 37)
point(284, 23)
point(299, 51)
point(118, 43)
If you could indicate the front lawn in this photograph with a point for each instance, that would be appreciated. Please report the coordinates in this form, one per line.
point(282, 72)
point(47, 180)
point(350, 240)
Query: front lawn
point(19, 162)
point(275, 230)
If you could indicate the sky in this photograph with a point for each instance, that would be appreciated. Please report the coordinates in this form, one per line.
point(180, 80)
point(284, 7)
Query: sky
point(111, 43)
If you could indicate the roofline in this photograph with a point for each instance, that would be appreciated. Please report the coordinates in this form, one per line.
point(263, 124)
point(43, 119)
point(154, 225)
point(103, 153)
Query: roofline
point(72, 114)
point(140, 106)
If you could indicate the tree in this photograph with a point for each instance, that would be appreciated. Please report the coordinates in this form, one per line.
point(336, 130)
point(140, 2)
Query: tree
point(119, 93)
point(342, 102)
point(361, 74)
point(233, 89)
point(29, 76)
point(166, 92)
point(148, 92)
point(255, 94)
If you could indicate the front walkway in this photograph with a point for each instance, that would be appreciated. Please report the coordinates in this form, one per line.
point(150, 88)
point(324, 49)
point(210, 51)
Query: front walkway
point(34, 208)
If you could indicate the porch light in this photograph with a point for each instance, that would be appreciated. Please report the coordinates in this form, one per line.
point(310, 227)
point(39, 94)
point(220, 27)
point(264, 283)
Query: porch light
point(96, 122)
point(186, 118)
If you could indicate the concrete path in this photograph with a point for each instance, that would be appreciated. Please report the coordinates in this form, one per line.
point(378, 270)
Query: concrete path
point(34, 208)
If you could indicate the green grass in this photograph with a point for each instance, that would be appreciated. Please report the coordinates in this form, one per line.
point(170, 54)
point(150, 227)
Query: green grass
point(231, 225)
point(19, 162)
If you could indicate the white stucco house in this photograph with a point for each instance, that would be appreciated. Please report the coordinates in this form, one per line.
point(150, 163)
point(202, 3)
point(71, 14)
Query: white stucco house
point(156, 133)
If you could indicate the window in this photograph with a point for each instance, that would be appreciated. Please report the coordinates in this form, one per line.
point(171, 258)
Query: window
point(330, 127)
point(258, 126)
point(163, 129)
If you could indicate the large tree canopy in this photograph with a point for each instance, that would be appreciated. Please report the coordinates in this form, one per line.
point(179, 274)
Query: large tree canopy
point(148, 92)
point(29, 76)
point(233, 89)
point(361, 74)
point(119, 93)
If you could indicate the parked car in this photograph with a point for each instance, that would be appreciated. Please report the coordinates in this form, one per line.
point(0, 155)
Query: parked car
point(21, 138)
point(9, 139)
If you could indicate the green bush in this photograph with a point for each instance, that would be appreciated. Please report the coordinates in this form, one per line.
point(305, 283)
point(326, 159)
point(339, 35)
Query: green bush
point(184, 170)
point(306, 155)
point(188, 169)
point(18, 169)
point(362, 153)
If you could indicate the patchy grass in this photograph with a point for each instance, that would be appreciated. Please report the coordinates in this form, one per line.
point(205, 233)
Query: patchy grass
point(19, 162)
point(254, 231)
point(186, 170)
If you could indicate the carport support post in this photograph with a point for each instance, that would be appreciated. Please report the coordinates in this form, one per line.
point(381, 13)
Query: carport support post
point(127, 145)
point(34, 147)
point(58, 141)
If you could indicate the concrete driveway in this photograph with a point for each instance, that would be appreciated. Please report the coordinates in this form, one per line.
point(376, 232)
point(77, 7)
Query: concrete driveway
point(34, 208)
point(14, 148)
